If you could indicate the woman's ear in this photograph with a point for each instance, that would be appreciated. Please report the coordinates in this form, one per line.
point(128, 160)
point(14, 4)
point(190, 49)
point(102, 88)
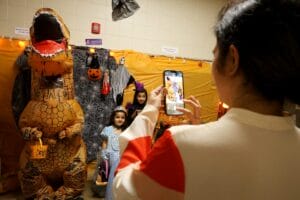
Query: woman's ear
point(233, 60)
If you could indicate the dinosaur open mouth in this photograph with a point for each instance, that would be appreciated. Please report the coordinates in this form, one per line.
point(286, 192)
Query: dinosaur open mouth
point(48, 48)
point(48, 35)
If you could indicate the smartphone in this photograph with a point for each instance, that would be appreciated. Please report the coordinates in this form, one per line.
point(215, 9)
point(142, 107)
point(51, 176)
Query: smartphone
point(173, 82)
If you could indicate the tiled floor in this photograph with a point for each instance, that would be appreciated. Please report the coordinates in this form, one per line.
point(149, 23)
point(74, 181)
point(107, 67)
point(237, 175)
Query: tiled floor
point(87, 194)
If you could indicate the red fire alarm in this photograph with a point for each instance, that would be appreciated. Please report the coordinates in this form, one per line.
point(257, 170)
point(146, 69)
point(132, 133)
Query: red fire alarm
point(95, 28)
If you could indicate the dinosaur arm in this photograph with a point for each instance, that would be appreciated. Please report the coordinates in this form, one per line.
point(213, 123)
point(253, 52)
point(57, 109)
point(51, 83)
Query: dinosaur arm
point(76, 127)
point(30, 133)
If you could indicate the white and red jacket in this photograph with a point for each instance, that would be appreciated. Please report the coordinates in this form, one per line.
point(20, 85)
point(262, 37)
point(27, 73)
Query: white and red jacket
point(242, 156)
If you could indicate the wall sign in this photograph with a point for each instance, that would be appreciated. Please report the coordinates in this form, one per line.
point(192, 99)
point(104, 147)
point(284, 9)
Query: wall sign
point(169, 50)
point(93, 41)
point(22, 31)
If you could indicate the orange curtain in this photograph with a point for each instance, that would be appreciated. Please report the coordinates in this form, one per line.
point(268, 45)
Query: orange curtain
point(10, 140)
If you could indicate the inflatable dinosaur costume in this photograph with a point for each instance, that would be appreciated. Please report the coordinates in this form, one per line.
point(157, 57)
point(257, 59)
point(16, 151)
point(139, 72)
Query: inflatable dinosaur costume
point(53, 119)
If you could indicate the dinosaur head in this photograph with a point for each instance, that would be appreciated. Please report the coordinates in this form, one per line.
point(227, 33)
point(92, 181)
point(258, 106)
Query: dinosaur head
point(49, 38)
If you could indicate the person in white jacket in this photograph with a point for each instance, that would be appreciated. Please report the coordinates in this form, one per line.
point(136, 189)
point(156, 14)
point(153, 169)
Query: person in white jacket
point(253, 151)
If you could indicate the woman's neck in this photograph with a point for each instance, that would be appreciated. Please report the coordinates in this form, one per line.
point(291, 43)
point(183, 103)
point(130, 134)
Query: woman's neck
point(242, 94)
point(257, 103)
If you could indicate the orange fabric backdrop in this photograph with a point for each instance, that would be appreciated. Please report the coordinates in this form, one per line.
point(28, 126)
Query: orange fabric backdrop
point(9, 135)
point(10, 139)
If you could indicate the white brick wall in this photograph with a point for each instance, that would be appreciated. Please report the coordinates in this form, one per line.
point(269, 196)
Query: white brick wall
point(184, 24)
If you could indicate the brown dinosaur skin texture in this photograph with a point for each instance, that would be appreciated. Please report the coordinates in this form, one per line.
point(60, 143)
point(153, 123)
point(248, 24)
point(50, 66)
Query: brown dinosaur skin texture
point(55, 116)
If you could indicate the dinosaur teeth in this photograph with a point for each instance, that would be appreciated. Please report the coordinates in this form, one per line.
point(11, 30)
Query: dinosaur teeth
point(47, 55)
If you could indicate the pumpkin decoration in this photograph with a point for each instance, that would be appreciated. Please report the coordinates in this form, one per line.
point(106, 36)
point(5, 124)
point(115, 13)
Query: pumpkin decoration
point(94, 71)
point(94, 74)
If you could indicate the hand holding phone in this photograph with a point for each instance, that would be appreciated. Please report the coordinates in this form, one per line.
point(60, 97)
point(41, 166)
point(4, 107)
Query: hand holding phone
point(173, 82)
point(192, 114)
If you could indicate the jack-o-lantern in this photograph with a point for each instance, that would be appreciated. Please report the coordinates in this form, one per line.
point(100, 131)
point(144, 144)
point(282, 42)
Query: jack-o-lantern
point(94, 71)
point(94, 74)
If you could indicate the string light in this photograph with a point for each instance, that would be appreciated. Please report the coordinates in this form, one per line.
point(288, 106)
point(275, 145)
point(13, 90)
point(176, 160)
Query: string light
point(224, 105)
point(92, 50)
point(21, 44)
point(111, 53)
point(69, 47)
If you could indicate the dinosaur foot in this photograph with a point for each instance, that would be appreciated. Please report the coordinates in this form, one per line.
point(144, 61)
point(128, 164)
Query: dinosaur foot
point(64, 193)
point(45, 193)
point(46, 197)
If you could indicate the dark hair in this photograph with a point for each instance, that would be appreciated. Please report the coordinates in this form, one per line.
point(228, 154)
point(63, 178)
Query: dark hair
point(135, 103)
point(112, 118)
point(266, 34)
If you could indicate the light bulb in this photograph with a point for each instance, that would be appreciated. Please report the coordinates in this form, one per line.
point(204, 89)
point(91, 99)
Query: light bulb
point(224, 105)
point(92, 50)
point(21, 44)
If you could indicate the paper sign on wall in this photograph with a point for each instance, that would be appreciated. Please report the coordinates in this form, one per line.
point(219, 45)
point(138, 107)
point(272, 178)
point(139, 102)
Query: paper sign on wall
point(169, 50)
point(22, 31)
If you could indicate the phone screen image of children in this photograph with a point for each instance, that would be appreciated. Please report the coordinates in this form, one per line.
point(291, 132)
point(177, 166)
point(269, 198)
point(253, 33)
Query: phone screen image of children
point(174, 86)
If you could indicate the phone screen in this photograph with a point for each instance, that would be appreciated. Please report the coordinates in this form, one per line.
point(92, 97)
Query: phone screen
point(173, 82)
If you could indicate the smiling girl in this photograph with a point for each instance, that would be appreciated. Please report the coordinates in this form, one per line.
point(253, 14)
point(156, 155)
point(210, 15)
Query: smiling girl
point(109, 154)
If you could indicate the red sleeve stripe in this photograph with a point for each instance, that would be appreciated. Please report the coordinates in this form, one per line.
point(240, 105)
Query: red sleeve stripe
point(164, 164)
point(136, 150)
point(149, 189)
